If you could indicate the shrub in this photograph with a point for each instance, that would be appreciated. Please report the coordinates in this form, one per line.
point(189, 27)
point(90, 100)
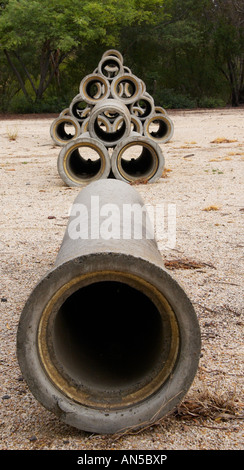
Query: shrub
point(169, 98)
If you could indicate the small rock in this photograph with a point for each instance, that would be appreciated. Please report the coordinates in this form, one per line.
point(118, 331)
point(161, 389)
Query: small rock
point(6, 397)
point(33, 438)
point(3, 299)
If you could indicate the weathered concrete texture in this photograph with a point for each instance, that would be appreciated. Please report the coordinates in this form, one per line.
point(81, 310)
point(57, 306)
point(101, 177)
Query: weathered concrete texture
point(108, 340)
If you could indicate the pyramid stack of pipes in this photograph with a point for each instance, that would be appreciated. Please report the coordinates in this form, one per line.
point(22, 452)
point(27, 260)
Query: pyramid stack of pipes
point(112, 128)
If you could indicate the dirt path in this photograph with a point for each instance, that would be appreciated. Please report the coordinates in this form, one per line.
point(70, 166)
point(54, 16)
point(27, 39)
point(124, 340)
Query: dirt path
point(205, 163)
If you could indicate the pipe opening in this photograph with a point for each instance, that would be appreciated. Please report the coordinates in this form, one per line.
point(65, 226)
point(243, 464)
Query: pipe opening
point(66, 130)
point(78, 108)
point(110, 67)
point(125, 88)
point(158, 128)
point(109, 340)
point(109, 136)
point(94, 89)
point(142, 108)
point(138, 160)
point(83, 162)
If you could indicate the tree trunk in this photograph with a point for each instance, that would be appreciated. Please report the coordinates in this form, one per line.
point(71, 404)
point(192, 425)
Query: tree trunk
point(16, 72)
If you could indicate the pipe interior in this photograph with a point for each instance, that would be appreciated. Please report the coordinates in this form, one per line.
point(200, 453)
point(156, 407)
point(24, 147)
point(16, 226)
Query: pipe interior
point(109, 136)
point(110, 68)
point(78, 109)
point(126, 88)
point(84, 162)
point(109, 336)
point(95, 89)
point(158, 128)
point(138, 161)
point(65, 130)
point(145, 106)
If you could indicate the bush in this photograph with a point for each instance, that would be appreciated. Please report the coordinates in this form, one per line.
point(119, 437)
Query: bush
point(20, 105)
point(169, 98)
point(50, 104)
point(211, 102)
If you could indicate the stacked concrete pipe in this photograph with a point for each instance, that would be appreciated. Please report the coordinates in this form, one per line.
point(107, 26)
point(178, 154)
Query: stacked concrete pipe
point(113, 115)
point(108, 340)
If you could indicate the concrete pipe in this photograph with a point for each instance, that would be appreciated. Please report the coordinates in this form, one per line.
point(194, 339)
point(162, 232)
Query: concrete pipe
point(159, 128)
point(137, 158)
point(108, 340)
point(160, 110)
point(94, 88)
point(145, 106)
point(83, 161)
point(143, 86)
point(65, 112)
point(131, 84)
point(64, 128)
point(103, 122)
point(110, 67)
point(113, 53)
point(127, 69)
point(136, 124)
point(110, 107)
point(78, 108)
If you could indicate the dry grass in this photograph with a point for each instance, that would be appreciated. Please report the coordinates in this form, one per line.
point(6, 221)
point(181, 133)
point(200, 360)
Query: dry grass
point(185, 264)
point(222, 140)
point(220, 159)
point(12, 133)
point(217, 405)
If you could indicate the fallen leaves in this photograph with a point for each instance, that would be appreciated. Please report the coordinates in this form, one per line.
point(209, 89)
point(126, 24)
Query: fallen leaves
point(139, 181)
point(222, 140)
point(165, 172)
point(211, 208)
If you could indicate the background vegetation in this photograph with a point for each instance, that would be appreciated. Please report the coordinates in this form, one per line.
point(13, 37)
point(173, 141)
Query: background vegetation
point(189, 53)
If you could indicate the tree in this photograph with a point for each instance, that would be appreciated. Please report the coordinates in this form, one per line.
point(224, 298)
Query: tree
point(227, 20)
point(37, 36)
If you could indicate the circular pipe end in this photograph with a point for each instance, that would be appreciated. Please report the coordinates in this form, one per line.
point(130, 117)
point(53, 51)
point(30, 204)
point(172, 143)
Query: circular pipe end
point(83, 161)
point(108, 349)
point(137, 158)
point(64, 129)
point(159, 128)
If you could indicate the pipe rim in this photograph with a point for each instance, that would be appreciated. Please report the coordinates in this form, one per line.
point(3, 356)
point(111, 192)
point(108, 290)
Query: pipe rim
point(80, 396)
point(162, 118)
point(113, 52)
point(110, 74)
point(94, 78)
point(74, 110)
point(85, 418)
point(66, 153)
point(61, 121)
point(130, 79)
point(112, 138)
point(154, 172)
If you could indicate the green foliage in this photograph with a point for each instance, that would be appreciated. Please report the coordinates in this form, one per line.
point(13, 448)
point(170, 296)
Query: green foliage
point(51, 104)
point(188, 52)
point(169, 98)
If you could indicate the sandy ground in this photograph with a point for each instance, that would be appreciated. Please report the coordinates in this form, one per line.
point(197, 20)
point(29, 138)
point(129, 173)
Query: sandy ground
point(205, 159)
